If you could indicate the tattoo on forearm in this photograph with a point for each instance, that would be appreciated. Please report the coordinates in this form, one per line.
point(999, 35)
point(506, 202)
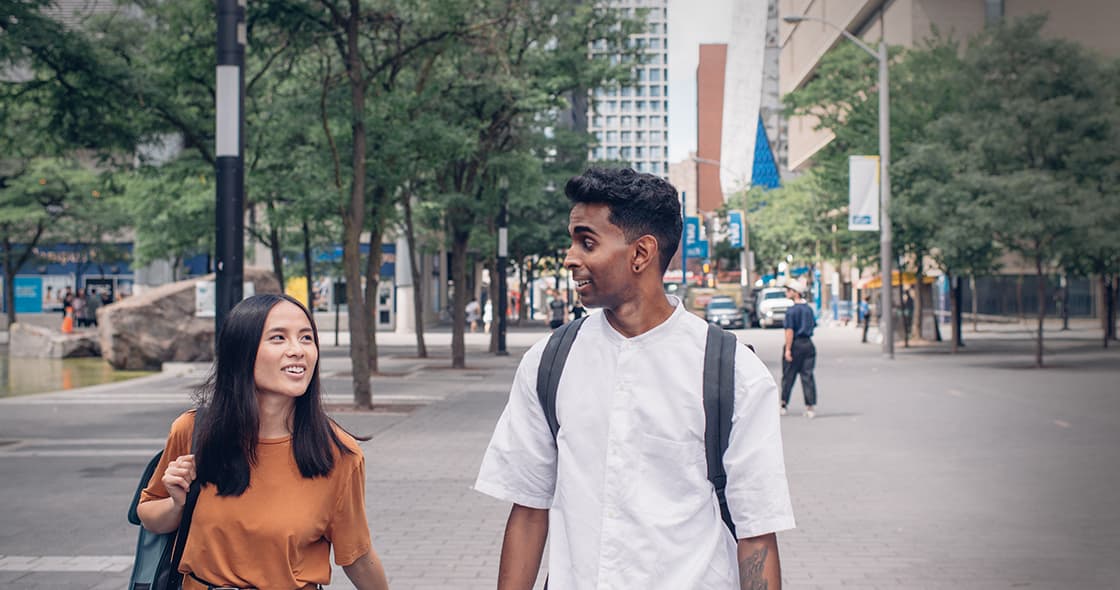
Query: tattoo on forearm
point(751, 571)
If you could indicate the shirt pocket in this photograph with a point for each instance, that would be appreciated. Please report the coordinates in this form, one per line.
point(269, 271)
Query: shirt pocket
point(669, 477)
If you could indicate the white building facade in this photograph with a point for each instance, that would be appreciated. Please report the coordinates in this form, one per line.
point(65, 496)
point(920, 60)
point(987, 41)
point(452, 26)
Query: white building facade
point(631, 124)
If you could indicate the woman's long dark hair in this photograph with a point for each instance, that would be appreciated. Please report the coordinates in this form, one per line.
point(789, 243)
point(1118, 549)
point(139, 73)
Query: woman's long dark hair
point(227, 444)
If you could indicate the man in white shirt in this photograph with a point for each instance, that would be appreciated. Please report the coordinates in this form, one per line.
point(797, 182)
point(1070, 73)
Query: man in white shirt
point(623, 490)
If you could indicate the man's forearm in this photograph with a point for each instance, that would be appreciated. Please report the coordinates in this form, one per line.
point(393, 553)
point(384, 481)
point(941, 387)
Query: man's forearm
point(522, 548)
point(759, 566)
point(789, 338)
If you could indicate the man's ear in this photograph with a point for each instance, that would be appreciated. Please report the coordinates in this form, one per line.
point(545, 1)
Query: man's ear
point(646, 253)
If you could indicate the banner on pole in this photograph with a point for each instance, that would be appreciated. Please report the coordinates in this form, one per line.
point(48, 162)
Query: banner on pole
point(735, 229)
point(694, 247)
point(863, 193)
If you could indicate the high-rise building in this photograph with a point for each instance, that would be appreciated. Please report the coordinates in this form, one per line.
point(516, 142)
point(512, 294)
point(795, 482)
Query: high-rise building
point(631, 123)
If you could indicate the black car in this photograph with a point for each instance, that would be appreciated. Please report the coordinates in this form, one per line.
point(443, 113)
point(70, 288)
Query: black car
point(723, 312)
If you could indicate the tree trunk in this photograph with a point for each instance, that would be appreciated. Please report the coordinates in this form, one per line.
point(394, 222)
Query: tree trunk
point(459, 304)
point(354, 219)
point(955, 299)
point(308, 268)
point(373, 295)
point(1109, 309)
point(1041, 309)
point(902, 302)
point(975, 303)
point(9, 283)
point(417, 287)
point(274, 247)
point(277, 256)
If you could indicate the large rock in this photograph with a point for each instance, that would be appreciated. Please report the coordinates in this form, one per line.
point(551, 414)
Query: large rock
point(159, 326)
point(31, 341)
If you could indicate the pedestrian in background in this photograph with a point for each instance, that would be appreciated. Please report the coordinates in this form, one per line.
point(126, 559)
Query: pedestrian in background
point(78, 302)
point(578, 310)
point(622, 490)
point(282, 483)
point(487, 316)
point(472, 311)
point(799, 357)
point(865, 315)
point(93, 303)
point(556, 310)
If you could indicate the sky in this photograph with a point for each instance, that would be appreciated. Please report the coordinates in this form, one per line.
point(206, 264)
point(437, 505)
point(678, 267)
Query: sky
point(691, 22)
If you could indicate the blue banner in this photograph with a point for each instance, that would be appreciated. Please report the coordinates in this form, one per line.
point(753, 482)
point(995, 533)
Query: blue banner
point(691, 231)
point(735, 229)
point(29, 294)
point(698, 250)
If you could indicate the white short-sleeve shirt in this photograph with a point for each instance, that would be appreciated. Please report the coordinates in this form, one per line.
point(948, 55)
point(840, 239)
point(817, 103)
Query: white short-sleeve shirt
point(626, 481)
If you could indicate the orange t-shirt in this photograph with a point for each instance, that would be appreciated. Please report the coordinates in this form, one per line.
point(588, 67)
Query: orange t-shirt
point(279, 533)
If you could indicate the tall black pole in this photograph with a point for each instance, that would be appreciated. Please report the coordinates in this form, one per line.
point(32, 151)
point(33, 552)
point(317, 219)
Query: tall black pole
point(229, 168)
point(503, 254)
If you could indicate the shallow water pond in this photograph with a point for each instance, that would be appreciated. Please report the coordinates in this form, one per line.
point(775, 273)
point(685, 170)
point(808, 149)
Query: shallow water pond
point(23, 376)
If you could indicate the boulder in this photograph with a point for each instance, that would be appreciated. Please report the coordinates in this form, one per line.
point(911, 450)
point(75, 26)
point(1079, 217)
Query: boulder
point(31, 341)
point(159, 325)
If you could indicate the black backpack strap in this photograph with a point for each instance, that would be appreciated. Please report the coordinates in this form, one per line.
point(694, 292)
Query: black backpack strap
point(188, 508)
point(552, 366)
point(719, 405)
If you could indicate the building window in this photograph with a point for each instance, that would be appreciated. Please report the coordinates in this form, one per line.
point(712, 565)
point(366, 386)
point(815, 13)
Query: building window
point(626, 121)
point(624, 152)
point(612, 137)
point(624, 137)
point(612, 153)
point(611, 120)
point(655, 91)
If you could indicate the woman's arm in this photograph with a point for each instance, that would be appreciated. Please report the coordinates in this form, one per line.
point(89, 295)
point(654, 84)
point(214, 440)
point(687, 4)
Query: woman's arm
point(366, 573)
point(163, 516)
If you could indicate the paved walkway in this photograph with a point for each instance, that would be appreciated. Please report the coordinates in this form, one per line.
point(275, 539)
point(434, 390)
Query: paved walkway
point(928, 471)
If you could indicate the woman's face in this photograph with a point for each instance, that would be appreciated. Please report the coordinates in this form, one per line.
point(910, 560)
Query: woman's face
point(287, 353)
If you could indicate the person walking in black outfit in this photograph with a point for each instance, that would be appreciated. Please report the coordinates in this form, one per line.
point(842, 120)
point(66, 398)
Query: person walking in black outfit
point(799, 356)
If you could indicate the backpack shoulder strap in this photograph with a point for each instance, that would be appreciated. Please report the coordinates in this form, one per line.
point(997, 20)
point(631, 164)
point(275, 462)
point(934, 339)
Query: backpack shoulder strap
point(719, 405)
point(192, 500)
point(552, 366)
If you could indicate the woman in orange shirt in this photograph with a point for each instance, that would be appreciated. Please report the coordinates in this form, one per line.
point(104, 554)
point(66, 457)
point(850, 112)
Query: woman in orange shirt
point(281, 482)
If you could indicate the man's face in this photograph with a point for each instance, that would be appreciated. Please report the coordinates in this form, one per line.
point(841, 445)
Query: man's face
point(599, 258)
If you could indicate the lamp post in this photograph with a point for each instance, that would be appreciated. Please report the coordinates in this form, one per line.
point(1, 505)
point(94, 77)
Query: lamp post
point(503, 254)
point(886, 320)
point(229, 167)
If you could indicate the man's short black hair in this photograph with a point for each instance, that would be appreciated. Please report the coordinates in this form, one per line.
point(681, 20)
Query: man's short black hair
point(639, 203)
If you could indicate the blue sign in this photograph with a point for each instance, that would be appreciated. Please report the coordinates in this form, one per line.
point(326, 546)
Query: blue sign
point(735, 229)
point(697, 250)
point(29, 294)
point(691, 231)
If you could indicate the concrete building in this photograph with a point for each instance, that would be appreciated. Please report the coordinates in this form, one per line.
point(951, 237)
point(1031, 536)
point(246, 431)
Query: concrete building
point(631, 124)
point(905, 22)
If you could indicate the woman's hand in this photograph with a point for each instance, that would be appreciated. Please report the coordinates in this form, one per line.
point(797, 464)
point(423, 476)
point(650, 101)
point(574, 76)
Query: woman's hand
point(177, 479)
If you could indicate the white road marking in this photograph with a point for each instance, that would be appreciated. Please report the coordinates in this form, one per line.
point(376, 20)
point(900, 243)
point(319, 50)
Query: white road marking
point(1061, 423)
point(65, 563)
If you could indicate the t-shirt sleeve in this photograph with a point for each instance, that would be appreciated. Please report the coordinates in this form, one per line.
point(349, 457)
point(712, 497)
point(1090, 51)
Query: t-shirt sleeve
point(348, 531)
point(520, 464)
point(757, 489)
point(178, 444)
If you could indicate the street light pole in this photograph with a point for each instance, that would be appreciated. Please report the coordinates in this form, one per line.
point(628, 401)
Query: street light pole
point(229, 167)
point(886, 317)
point(503, 254)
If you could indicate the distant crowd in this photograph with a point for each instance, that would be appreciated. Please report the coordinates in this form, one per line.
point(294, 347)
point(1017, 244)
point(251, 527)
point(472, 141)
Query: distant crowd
point(80, 305)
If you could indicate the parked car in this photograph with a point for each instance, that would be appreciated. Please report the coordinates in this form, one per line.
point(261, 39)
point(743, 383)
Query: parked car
point(772, 306)
point(723, 312)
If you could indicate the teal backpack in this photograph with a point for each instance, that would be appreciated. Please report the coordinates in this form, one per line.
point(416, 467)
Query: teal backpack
point(156, 566)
